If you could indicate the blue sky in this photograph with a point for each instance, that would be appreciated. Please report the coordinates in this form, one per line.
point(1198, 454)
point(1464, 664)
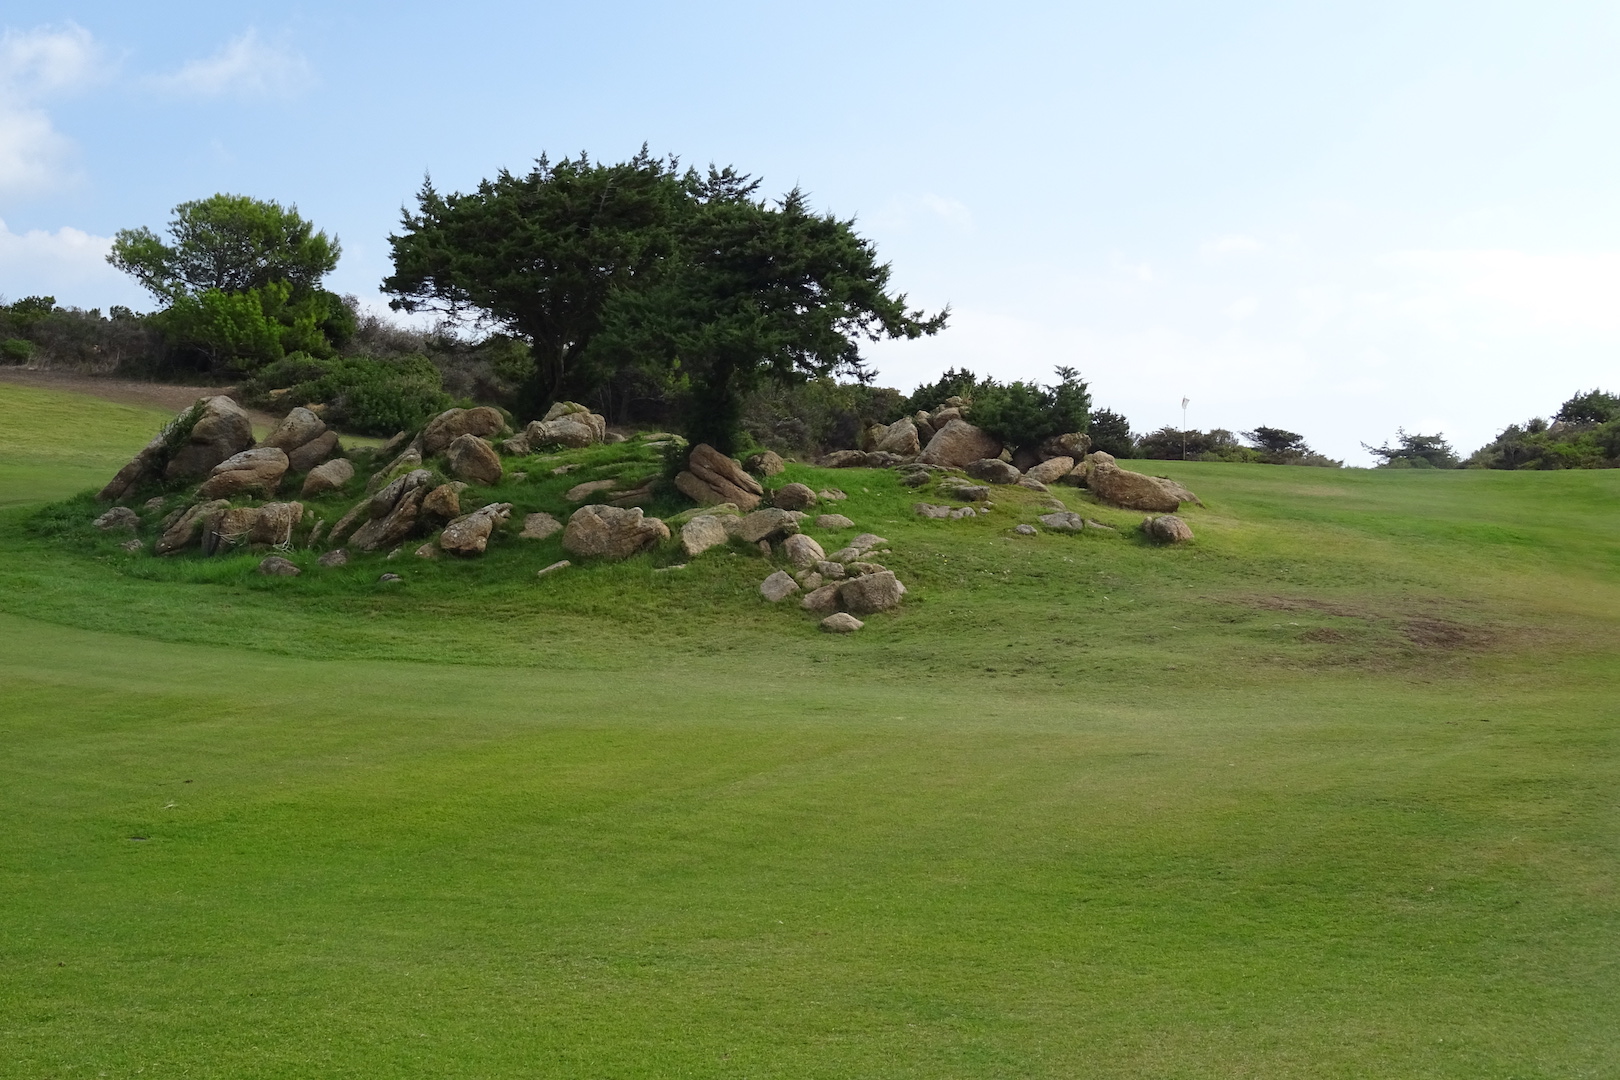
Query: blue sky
point(1336, 218)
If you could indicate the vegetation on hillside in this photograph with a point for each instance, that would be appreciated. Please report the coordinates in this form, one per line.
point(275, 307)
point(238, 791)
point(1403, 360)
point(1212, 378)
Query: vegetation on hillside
point(1583, 434)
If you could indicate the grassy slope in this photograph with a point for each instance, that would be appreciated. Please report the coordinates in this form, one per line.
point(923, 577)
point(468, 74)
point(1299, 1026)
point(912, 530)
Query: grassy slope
point(1328, 793)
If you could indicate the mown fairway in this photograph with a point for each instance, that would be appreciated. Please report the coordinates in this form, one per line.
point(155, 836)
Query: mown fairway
point(1329, 793)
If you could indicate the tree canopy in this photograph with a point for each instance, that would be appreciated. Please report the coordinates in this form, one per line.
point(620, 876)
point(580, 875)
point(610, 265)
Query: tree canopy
point(1415, 452)
point(606, 267)
point(232, 243)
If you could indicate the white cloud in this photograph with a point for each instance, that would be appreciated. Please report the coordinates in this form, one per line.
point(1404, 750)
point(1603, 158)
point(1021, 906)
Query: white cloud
point(69, 264)
point(245, 67)
point(36, 64)
point(1231, 244)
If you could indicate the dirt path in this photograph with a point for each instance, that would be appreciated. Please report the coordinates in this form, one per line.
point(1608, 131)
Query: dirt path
point(165, 397)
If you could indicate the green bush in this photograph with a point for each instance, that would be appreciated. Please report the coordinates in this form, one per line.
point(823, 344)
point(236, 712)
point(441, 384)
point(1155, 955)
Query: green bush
point(17, 350)
point(363, 395)
point(1111, 433)
point(1023, 414)
point(813, 417)
point(930, 396)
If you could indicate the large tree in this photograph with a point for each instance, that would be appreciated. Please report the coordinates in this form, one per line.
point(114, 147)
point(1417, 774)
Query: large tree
point(240, 280)
point(231, 243)
point(538, 255)
point(604, 267)
point(757, 291)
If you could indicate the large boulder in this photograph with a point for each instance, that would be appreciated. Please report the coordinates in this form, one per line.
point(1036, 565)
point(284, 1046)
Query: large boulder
point(443, 502)
point(319, 449)
point(611, 532)
point(712, 478)
point(794, 497)
point(779, 586)
point(470, 533)
point(575, 413)
point(328, 477)
point(1167, 529)
point(803, 551)
point(702, 533)
point(1179, 491)
point(992, 470)
point(567, 433)
point(257, 470)
point(222, 430)
point(1131, 490)
point(393, 512)
point(958, 443)
point(1051, 470)
point(843, 459)
point(188, 527)
point(822, 600)
point(271, 524)
point(768, 524)
point(470, 458)
point(296, 428)
point(900, 437)
point(1073, 444)
point(141, 468)
point(871, 592)
point(451, 424)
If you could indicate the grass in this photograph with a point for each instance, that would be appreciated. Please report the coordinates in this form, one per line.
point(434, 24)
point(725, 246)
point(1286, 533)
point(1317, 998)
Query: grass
point(1327, 793)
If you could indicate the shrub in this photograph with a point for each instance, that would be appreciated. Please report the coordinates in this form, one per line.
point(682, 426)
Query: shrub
point(1415, 452)
point(1111, 433)
point(1023, 414)
point(816, 416)
point(17, 350)
point(1584, 435)
point(363, 395)
point(1173, 444)
point(930, 396)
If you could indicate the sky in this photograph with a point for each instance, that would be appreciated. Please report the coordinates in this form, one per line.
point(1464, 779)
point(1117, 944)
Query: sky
point(1337, 218)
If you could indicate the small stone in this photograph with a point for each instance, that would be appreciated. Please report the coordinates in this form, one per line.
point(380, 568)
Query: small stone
point(563, 470)
point(119, 517)
point(831, 495)
point(702, 533)
point(929, 510)
point(841, 622)
point(336, 557)
point(832, 571)
point(153, 504)
point(1033, 485)
point(809, 580)
point(429, 550)
point(779, 586)
point(132, 545)
point(766, 463)
point(561, 564)
point(765, 548)
point(276, 566)
point(389, 579)
point(834, 521)
point(871, 592)
point(1063, 521)
point(1024, 530)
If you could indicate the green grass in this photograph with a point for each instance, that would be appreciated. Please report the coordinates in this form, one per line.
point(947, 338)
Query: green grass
point(1327, 793)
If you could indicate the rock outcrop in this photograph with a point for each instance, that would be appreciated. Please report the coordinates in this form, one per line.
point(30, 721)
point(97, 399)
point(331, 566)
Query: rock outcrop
point(258, 470)
point(611, 532)
point(711, 478)
point(702, 533)
point(470, 458)
point(311, 454)
point(296, 428)
point(992, 470)
point(330, 476)
point(221, 431)
point(470, 533)
point(793, 497)
point(568, 424)
point(392, 512)
point(1168, 529)
point(900, 437)
point(957, 443)
point(1051, 470)
point(871, 593)
point(188, 527)
point(119, 517)
point(843, 459)
point(1132, 490)
point(451, 424)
